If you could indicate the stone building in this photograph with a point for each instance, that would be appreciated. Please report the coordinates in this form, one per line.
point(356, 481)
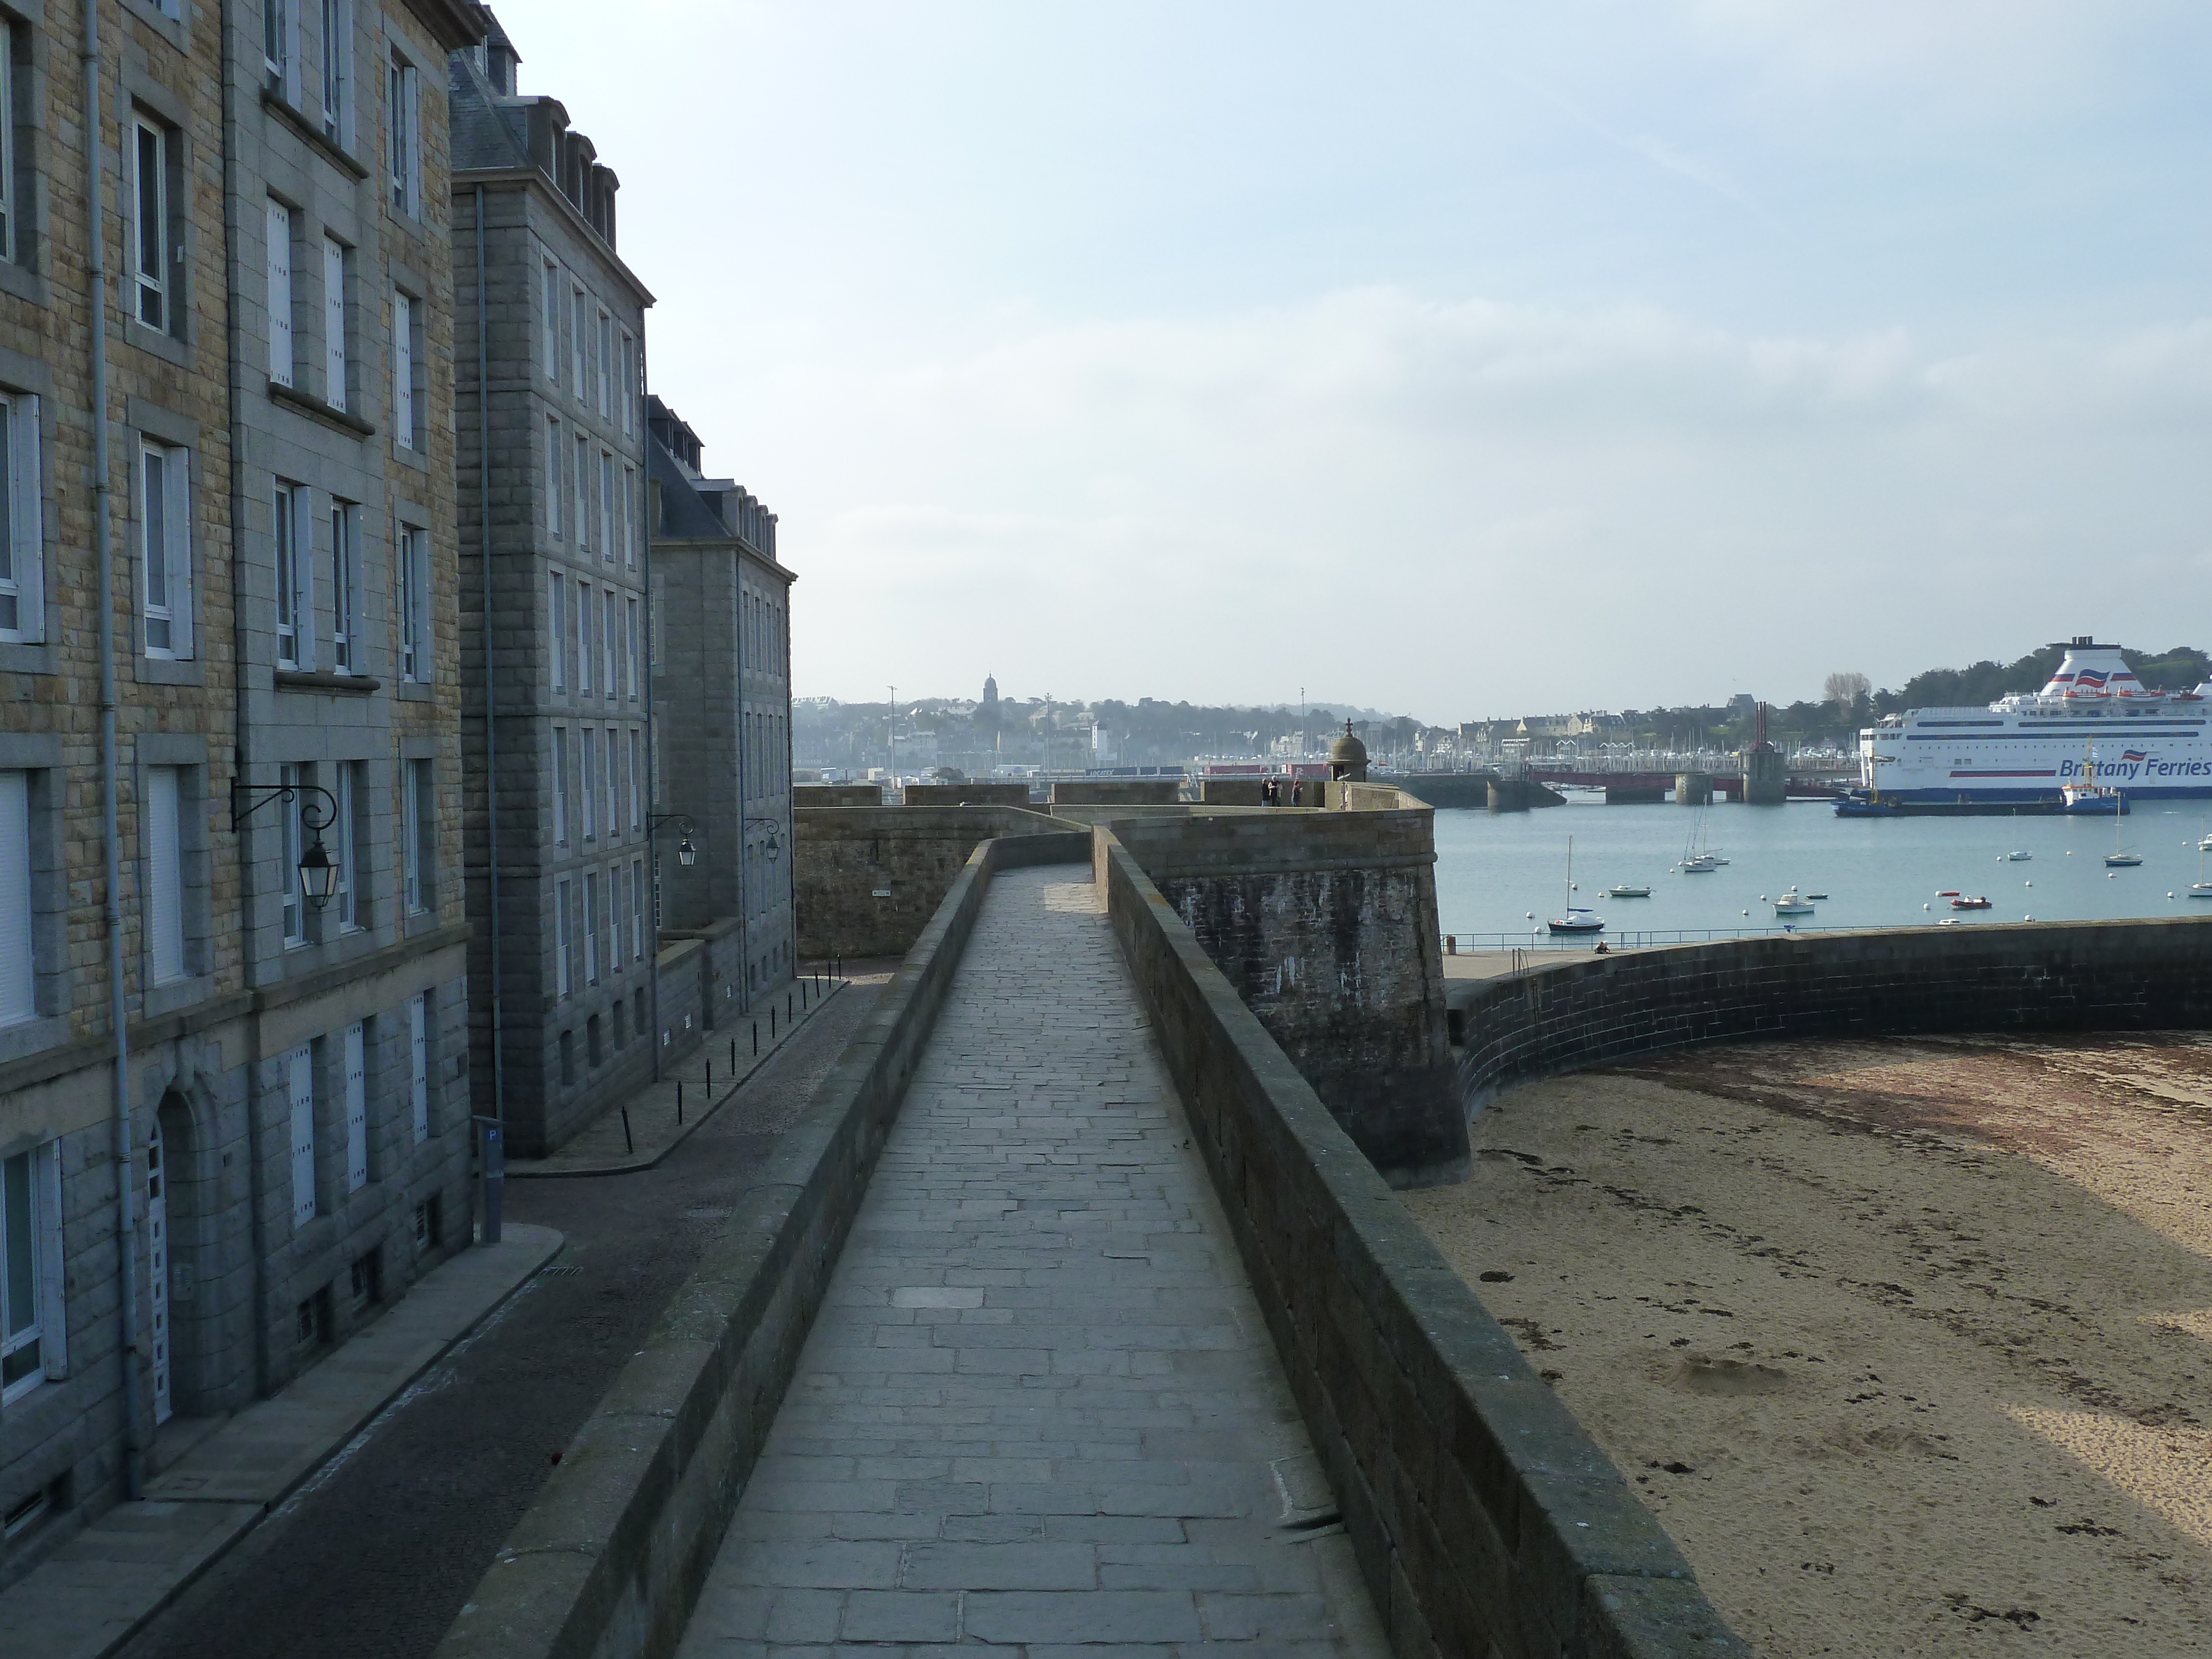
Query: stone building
point(722, 672)
point(240, 429)
point(552, 463)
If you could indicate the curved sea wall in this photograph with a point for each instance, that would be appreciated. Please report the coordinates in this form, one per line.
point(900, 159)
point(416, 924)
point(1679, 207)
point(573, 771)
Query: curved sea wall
point(2019, 977)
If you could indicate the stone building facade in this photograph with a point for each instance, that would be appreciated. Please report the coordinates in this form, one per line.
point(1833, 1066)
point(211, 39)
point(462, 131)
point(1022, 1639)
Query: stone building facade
point(285, 1101)
point(721, 670)
point(559, 849)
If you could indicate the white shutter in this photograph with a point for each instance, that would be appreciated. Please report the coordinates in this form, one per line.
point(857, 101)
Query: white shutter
point(161, 892)
point(176, 523)
point(18, 981)
point(356, 1108)
point(334, 321)
point(403, 370)
point(279, 292)
point(418, 1063)
point(299, 1092)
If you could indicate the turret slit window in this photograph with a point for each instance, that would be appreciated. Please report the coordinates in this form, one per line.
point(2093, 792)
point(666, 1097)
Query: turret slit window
point(22, 520)
point(278, 246)
point(153, 243)
point(165, 549)
point(295, 627)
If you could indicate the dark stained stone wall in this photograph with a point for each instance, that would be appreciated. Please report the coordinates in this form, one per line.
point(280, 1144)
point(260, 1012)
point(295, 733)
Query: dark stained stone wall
point(869, 878)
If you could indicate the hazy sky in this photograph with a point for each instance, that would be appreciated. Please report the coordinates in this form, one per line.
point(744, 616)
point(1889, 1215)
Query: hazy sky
point(1465, 360)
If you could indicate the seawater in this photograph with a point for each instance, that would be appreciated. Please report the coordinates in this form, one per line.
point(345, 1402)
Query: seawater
point(1494, 870)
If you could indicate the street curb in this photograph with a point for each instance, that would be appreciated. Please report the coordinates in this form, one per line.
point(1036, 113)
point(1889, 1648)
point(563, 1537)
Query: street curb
point(18, 1600)
point(537, 1170)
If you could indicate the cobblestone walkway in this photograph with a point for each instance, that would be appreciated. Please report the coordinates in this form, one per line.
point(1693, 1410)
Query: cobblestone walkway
point(1039, 1412)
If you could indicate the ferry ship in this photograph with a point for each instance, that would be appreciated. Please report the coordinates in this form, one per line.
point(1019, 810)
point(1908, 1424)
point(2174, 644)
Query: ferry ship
point(2093, 737)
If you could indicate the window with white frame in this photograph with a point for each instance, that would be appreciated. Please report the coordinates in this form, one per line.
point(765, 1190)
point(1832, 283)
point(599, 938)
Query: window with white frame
point(609, 503)
point(584, 609)
point(19, 984)
point(588, 740)
point(560, 786)
point(346, 588)
point(629, 517)
point(609, 639)
point(165, 550)
point(295, 598)
point(9, 250)
point(580, 346)
point(162, 890)
point(552, 339)
point(580, 508)
point(626, 393)
point(419, 834)
point(591, 927)
point(553, 475)
point(402, 146)
point(564, 981)
point(300, 1099)
point(153, 254)
point(335, 392)
point(630, 645)
point(414, 553)
point(556, 627)
point(617, 919)
point(276, 32)
point(294, 910)
point(350, 792)
point(403, 369)
point(31, 1305)
point(637, 910)
point(337, 68)
point(23, 523)
point(278, 247)
point(606, 362)
point(636, 783)
point(418, 1064)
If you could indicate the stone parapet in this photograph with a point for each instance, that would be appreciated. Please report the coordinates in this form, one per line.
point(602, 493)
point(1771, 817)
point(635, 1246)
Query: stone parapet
point(869, 878)
point(1486, 1521)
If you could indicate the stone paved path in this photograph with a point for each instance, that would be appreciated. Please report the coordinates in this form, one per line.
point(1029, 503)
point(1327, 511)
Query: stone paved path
point(1039, 1412)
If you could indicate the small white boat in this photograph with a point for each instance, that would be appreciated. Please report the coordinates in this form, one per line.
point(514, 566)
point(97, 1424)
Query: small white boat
point(1576, 920)
point(1700, 864)
point(2018, 858)
point(1815, 895)
point(1792, 904)
point(1628, 892)
point(2123, 860)
point(2201, 887)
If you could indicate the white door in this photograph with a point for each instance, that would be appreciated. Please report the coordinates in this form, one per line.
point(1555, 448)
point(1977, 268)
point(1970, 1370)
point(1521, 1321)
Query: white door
point(356, 1109)
point(300, 1088)
point(157, 1269)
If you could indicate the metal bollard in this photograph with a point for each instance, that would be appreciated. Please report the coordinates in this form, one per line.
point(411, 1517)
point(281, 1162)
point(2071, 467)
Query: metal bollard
point(679, 1100)
point(628, 1145)
point(733, 1056)
point(755, 1039)
point(771, 1021)
point(1452, 945)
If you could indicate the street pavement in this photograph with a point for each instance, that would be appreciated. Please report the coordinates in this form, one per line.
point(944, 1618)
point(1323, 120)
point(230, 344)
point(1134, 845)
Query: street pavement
point(374, 1555)
point(1039, 1411)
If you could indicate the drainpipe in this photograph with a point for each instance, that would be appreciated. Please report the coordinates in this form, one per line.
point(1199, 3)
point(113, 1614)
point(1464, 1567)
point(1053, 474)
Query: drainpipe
point(126, 1169)
point(489, 1161)
point(651, 754)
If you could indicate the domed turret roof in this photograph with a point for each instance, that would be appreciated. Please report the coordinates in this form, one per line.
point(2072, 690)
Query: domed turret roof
point(1347, 751)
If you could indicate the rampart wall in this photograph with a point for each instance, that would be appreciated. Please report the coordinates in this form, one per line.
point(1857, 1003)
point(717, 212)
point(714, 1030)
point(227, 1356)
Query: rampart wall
point(868, 880)
point(2013, 976)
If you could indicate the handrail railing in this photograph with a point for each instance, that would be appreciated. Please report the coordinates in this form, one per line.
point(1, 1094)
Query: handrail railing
point(1626, 939)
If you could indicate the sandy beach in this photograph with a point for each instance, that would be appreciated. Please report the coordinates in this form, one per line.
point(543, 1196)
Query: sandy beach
point(1908, 1343)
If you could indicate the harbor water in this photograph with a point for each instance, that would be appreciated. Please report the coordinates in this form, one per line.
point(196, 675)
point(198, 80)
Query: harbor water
point(1494, 871)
